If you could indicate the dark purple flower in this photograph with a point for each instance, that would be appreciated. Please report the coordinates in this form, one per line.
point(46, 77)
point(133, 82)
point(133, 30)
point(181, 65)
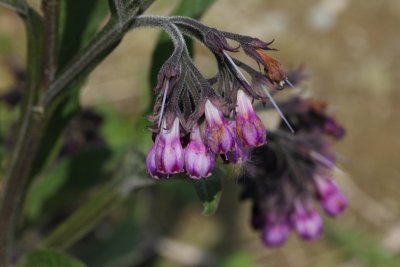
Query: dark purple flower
point(275, 231)
point(331, 127)
point(284, 175)
point(199, 161)
point(306, 221)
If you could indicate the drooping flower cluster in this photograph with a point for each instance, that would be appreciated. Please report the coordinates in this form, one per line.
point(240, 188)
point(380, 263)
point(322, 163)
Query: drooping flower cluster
point(196, 120)
point(284, 177)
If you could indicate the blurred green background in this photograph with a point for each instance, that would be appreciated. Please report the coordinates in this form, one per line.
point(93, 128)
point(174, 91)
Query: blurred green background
point(351, 50)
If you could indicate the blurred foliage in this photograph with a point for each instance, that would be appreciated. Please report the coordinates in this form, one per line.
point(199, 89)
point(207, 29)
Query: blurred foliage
point(357, 243)
point(49, 258)
point(209, 191)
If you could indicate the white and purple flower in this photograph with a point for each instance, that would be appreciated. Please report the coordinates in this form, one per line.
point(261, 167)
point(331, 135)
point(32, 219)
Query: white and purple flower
point(250, 130)
point(219, 135)
point(168, 151)
point(199, 160)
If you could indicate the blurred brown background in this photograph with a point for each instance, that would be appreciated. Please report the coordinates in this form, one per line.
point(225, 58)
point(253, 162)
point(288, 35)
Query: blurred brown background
point(351, 49)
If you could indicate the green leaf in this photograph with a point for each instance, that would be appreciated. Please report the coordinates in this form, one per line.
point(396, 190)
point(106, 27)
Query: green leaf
point(49, 258)
point(67, 178)
point(164, 47)
point(120, 130)
point(209, 191)
point(43, 188)
point(80, 20)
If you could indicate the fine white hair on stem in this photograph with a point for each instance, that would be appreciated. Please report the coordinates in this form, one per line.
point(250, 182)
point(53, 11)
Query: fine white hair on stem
point(288, 82)
point(163, 103)
point(277, 108)
point(238, 72)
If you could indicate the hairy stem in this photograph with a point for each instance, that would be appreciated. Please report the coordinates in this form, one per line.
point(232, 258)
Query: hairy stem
point(173, 31)
point(27, 140)
point(101, 46)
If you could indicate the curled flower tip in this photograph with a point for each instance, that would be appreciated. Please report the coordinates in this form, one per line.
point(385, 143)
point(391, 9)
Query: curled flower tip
point(333, 201)
point(307, 222)
point(151, 163)
point(273, 68)
point(219, 136)
point(250, 130)
point(275, 234)
point(169, 152)
point(199, 161)
point(216, 41)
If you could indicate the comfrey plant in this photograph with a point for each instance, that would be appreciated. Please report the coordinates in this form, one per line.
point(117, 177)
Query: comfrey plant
point(196, 121)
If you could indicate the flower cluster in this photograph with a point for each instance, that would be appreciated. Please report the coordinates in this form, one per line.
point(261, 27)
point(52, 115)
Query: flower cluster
point(195, 120)
point(176, 150)
point(284, 177)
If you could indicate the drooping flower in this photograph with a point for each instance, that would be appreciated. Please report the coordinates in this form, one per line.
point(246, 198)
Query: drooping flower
point(169, 151)
point(151, 165)
point(199, 160)
point(250, 130)
point(284, 175)
point(219, 135)
point(331, 197)
point(275, 231)
point(306, 220)
point(217, 103)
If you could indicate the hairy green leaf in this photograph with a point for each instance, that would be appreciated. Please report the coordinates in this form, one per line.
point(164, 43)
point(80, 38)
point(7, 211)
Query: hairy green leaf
point(80, 20)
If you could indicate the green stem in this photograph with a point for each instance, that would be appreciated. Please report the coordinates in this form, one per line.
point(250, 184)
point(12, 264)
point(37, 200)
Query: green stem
point(27, 140)
point(101, 46)
point(83, 220)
